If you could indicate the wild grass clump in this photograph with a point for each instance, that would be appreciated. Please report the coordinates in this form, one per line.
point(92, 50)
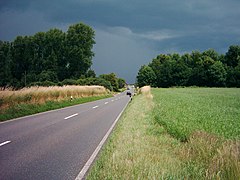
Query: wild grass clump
point(207, 156)
point(40, 95)
point(146, 91)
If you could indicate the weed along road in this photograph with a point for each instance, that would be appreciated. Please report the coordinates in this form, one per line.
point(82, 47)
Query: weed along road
point(59, 143)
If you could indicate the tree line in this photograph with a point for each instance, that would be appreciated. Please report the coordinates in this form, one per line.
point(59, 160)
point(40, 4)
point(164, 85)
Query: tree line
point(52, 58)
point(204, 69)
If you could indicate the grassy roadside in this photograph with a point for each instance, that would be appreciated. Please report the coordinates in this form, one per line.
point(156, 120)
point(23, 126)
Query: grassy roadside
point(20, 110)
point(138, 148)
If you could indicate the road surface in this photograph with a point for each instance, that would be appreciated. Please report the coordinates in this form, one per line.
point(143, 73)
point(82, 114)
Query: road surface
point(56, 144)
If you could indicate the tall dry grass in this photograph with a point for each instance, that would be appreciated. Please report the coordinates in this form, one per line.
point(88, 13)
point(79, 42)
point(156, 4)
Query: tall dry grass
point(40, 95)
point(146, 91)
point(219, 158)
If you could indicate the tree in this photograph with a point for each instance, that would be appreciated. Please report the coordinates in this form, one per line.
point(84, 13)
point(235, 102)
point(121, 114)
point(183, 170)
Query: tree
point(90, 73)
point(233, 76)
point(80, 40)
point(5, 61)
point(181, 74)
point(232, 57)
point(112, 78)
point(162, 69)
point(146, 76)
point(216, 75)
point(212, 54)
point(121, 83)
point(21, 60)
point(200, 69)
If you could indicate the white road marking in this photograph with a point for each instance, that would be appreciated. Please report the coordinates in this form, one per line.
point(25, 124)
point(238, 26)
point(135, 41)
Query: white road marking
point(95, 107)
point(106, 103)
point(6, 142)
point(71, 116)
point(112, 100)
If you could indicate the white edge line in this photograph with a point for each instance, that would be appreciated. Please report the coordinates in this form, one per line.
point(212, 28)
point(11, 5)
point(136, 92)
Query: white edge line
point(6, 142)
point(95, 107)
point(71, 116)
point(86, 167)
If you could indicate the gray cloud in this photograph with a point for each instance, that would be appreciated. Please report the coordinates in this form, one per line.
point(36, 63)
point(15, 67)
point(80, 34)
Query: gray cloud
point(116, 52)
point(130, 31)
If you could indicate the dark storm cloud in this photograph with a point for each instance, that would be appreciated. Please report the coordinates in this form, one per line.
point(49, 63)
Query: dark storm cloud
point(130, 31)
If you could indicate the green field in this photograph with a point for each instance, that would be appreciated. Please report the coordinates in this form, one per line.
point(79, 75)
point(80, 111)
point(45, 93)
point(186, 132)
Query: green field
point(184, 110)
point(180, 133)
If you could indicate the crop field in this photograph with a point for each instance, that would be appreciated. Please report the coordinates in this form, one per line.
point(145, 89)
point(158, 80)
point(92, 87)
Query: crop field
point(33, 100)
point(207, 122)
point(183, 111)
point(40, 94)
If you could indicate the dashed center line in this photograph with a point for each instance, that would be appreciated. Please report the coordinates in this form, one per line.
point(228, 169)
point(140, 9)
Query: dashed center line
point(112, 100)
point(6, 142)
point(106, 103)
point(71, 116)
point(95, 107)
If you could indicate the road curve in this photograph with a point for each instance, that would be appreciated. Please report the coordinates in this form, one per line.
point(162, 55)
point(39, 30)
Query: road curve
point(56, 144)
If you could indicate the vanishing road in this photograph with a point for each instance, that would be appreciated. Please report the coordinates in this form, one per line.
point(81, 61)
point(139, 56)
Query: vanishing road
point(56, 144)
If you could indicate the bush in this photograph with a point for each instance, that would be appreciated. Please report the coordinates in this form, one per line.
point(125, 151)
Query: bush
point(95, 81)
point(44, 83)
point(69, 82)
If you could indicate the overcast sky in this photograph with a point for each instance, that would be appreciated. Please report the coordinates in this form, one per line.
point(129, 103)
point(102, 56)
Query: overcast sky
point(130, 33)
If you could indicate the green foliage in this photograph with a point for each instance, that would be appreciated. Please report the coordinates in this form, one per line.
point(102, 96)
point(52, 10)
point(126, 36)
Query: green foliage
point(5, 56)
point(95, 81)
point(216, 75)
point(48, 76)
point(146, 76)
point(196, 69)
point(90, 74)
point(69, 82)
point(80, 40)
point(112, 78)
point(47, 56)
point(121, 83)
point(232, 57)
point(42, 83)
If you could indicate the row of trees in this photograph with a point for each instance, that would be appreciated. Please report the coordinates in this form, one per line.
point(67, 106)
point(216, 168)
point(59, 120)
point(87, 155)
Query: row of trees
point(208, 69)
point(52, 57)
point(109, 81)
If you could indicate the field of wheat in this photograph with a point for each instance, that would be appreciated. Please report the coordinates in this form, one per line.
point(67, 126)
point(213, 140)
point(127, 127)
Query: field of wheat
point(40, 95)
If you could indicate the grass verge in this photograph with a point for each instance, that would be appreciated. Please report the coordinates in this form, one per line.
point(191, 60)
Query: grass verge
point(20, 110)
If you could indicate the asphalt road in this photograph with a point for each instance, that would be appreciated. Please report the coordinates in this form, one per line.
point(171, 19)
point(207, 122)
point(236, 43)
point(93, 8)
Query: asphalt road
point(56, 144)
